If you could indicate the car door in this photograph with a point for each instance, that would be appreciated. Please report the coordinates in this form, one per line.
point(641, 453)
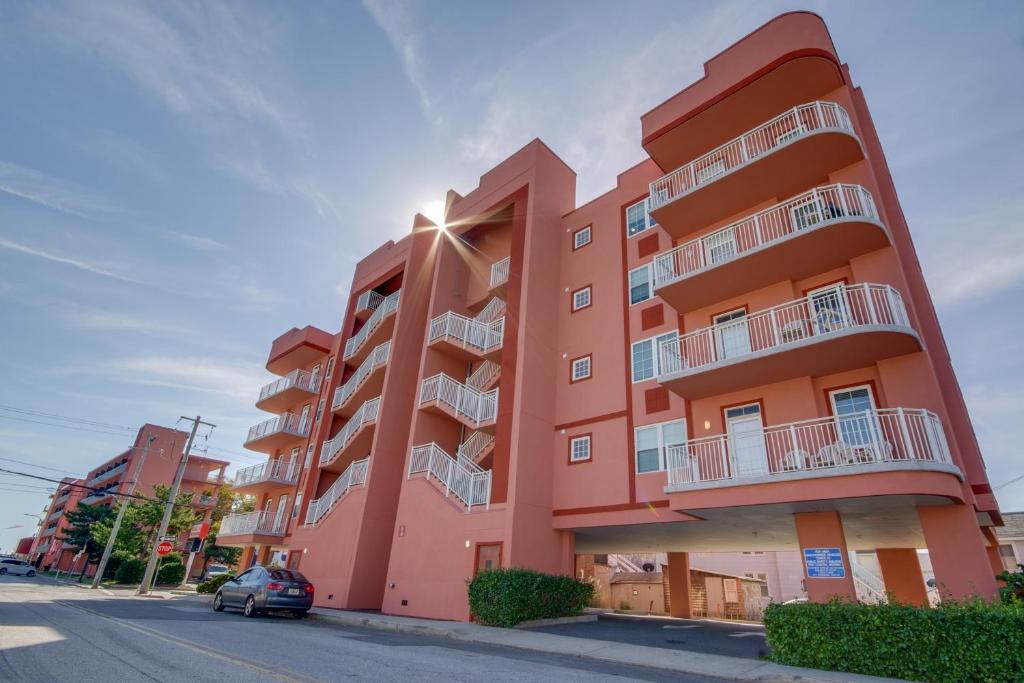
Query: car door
point(231, 590)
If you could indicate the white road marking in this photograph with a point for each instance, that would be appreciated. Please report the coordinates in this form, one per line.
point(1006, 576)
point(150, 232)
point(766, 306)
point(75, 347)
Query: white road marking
point(746, 634)
point(691, 626)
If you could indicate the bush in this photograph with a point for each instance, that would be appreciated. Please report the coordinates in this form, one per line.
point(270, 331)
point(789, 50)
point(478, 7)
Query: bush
point(1012, 590)
point(506, 597)
point(114, 563)
point(171, 574)
point(213, 584)
point(130, 571)
point(969, 641)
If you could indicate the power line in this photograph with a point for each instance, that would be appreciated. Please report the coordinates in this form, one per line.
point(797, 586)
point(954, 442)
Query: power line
point(66, 418)
point(60, 426)
point(109, 492)
point(42, 467)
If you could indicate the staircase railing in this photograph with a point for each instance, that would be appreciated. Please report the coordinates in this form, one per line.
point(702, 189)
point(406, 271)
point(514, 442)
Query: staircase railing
point(366, 413)
point(868, 584)
point(472, 447)
point(482, 376)
point(465, 401)
point(499, 271)
point(482, 337)
point(377, 358)
point(494, 309)
point(354, 475)
point(386, 307)
point(471, 487)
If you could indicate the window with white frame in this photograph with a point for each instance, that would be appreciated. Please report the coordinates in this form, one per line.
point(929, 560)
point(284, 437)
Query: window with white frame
point(580, 368)
point(579, 448)
point(647, 357)
point(641, 284)
point(653, 441)
point(638, 219)
point(581, 298)
point(309, 455)
point(320, 409)
point(581, 238)
point(298, 504)
point(330, 367)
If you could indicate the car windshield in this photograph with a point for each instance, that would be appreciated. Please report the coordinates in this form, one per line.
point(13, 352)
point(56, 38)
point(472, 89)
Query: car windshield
point(286, 575)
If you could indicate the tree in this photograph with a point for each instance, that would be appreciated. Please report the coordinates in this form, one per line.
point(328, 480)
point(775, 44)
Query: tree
point(83, 522)
point(228, 502)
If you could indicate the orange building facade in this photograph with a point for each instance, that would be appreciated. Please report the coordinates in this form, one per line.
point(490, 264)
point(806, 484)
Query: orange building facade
point(733, 349)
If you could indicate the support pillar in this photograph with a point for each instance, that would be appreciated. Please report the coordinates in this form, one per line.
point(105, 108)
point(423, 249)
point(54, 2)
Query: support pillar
point(992, 549)
point(957, 551)
point(825, 530)
point(901, 572)
point(679, 585)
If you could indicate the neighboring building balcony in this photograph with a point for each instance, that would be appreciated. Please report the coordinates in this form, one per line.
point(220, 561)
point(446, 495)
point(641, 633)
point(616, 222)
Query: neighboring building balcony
point(473, 408)
point(458, 477)
point(251, 524)
point(376, 329)
point(885, 440)
point(368, 302)
point(56, 514)
point(354, 475)
point(811, 233)
point(49, 531)
point(277, 471)
point(278, 431)
point(355, 437)
point(288, 390)
point(365, 382)
point(42, 546)
point(104, 476)
point(467, 338)
point(63, 497)
point(779, 158)
point(831, 330)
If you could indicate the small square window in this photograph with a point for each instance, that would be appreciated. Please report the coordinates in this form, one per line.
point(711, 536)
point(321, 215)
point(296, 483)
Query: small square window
point(580, 369)
point(581, 238)
point(581, 298)
point(579, 449)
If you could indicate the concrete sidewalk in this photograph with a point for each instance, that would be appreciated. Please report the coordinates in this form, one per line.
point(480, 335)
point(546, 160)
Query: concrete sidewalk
point(679, 661)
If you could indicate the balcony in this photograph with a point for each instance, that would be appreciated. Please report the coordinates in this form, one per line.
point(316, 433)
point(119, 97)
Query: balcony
point(458, 477)
point(288, 390)
point(355, 437)
point(354, 475)
point(832, 330)
point(251, 525)
point(103, 476)
point(885, 440)
point(447, 396)
point(811, 233)
point(368, 302)
point(277, 432)
point(777, 159)
point(377, 328)
point(365, 382)
point(467, 338)
point(298, 348)
point(278, 471)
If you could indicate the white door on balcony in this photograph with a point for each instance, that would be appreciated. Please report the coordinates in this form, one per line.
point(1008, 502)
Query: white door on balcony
point(829, 310)
point(304, 418)
point(720, 246)
point(280, 518)
point(731, 334)
point(746, 439)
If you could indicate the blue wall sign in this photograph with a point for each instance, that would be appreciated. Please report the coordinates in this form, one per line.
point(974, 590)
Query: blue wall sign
point(824, 563)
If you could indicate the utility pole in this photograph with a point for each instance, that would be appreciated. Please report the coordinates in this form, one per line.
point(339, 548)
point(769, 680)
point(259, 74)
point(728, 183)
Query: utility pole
point(120, 513)
point(151, 566)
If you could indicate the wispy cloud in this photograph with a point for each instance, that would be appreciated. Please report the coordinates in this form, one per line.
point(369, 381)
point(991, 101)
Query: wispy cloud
point(197, 242)
point(54, 193)
point(109, 321)
point(74, 262)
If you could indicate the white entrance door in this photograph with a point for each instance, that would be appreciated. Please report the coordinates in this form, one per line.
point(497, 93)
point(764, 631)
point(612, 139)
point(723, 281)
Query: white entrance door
point(746, 438)
point(731, 334)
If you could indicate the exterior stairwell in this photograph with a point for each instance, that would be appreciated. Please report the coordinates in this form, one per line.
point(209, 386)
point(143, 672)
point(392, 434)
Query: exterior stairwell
point(354, 475)
point(869, 586)
point(475, 409)
point(477, 447)
point(480, 336)
point(457, 477)
point(485, 376)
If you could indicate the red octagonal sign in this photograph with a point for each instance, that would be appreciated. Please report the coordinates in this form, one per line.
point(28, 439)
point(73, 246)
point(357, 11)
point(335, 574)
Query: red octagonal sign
point(164, 547)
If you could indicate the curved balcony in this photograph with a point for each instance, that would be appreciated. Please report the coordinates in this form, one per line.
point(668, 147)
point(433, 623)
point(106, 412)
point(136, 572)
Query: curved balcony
point(365, 382)
point(355, 437)
point(447, 396)
point(286, 391)
point(811, 233)
point(277, 432)
point(278, 471)
point(884, 440)
point(377, 328)
point(467, 338)
point(829, 331)
point(779, 158)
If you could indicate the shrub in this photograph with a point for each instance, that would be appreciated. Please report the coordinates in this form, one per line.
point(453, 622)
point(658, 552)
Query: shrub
point(1013, 589)
point(173, 573)
point(130, 571)
point(114, 563)
point(506, 597)
point(213, 584)
point(969, 641)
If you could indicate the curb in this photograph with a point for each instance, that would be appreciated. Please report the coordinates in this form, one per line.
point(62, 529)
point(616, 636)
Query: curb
point(558, 621)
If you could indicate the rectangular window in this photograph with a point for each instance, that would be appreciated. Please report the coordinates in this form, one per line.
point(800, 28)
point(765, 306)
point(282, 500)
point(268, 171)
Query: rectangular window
point(731, 590)
point(638, 219)
point(320, 409)
point(646, 356)
point(641, 287)
point(581, 298)
point(581, 238)
point(298, 504)
point(309, 455)
point(579, 448)
point(330, 367)
point(580, 369)
point(854, 410)
point(653, 441)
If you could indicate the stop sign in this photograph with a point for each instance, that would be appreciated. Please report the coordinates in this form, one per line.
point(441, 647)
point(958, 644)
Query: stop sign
point(164, 547)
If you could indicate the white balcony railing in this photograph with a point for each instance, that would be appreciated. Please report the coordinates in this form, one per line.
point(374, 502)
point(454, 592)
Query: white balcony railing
point(367, 413)
point(820, 315)
point(483, 375)
point(465, 480)
point(388, 306)
point(480, 337)
point(818, 207)
point(288, 423)
point(499, 272)
point(377, 358)
point(369, 301)
point(103, 476)
point(470, 449)
point(269, 523)
point(494, 309)
point(828, 444)
point(354, 475)
point(782, 130)
point(299, 379)
point(468, 403)
point(279, 471)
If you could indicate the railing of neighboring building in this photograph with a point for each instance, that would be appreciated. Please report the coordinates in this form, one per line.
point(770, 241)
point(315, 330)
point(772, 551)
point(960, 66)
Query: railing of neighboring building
point(465, 401)
point(103, 476)
point(354, 475)
point(386, 307)
point(461, 478)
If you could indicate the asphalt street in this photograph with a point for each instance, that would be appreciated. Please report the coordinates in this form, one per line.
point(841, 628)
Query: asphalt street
point(51, 632)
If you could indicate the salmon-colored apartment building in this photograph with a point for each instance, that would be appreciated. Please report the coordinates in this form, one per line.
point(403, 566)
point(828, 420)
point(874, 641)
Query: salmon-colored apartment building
point(733, 349)
point(202, 478)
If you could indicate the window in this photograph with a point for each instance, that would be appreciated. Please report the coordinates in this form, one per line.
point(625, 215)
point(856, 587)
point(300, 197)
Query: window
point(330, 367)
point(581, 238)
point(653, 442)
point(641, 287)
point(710, 170)
point(309, 455)
point(646, 356)
point(314, 377)
point(731, 590)
point(579, 448)
point(638, 219)
point(580, 369)
point(581, 298)
point(320, 409)
point(298, 504)
point(854, 411)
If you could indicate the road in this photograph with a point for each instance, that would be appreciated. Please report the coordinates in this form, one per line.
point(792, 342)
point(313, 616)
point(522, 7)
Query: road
point(51, 632)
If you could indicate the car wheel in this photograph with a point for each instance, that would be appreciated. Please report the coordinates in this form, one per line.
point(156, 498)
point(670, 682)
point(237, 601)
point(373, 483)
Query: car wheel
point(250, 607)
point(218, 602)
point(3, 570)
point(31, 572)
point(300, 613)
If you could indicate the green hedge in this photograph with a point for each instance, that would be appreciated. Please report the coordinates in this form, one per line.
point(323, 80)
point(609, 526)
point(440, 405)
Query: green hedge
point(172, 573)
point(130, 571)
point(213, 584)
point(971, 641)
point(506, 597)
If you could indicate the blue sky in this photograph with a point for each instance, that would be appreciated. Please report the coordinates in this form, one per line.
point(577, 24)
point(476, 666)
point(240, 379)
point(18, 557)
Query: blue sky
point(180, 183)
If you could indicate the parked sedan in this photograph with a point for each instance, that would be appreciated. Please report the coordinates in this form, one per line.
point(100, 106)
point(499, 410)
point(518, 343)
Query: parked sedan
point(261, 589)
point(10, 565)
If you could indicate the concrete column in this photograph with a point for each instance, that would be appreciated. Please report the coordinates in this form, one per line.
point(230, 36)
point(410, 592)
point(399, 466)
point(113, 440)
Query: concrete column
point(992, 549)
point(263, 557)
point(568, 554)
point(825, 530)
point(679, 585)
point(957, 551)
point(901, 572)
point(247, 554)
